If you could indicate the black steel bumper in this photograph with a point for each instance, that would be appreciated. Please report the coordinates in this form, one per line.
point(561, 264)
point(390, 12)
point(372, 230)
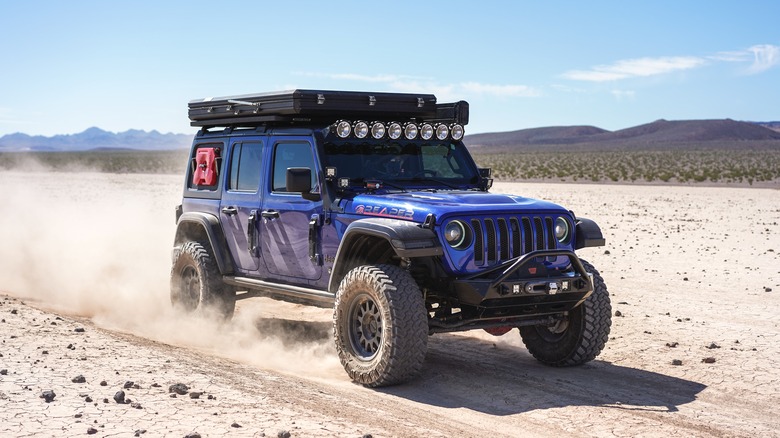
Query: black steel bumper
point(527, 281)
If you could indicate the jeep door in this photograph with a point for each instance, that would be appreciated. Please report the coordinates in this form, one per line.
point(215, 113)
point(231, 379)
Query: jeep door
point(285, 216)
point(239, 208)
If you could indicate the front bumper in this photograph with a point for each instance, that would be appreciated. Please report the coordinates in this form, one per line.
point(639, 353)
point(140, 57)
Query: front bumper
point(528, 280)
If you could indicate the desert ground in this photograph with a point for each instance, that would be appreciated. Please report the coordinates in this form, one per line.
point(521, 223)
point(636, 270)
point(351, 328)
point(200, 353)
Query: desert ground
point(693, 273)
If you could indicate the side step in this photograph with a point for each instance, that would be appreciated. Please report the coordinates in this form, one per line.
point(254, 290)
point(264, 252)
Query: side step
point(282, 292)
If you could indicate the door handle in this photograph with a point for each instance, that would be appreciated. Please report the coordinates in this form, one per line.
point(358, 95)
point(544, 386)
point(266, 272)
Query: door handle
point(270, 214)
point(230, 211)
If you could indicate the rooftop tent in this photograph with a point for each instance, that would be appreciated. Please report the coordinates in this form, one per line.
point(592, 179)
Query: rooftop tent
point(321, 105)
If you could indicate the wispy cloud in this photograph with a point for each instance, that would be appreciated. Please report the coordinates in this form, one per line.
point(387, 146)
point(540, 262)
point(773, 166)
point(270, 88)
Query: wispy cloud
point(418, 84)
point(640, 67)
point(765, 56)
point(621, 95)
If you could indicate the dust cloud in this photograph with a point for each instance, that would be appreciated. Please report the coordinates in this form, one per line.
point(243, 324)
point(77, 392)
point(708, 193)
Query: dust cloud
point(98, 245)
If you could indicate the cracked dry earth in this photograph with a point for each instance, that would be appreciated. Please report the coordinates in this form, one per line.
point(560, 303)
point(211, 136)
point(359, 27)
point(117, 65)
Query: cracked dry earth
point(693, 273)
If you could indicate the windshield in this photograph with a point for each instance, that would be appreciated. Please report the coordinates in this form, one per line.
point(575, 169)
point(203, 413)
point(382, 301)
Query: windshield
point(412, 163)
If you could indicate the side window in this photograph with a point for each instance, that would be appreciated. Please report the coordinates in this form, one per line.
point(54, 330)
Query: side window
point(293, 154)
point(246, 166)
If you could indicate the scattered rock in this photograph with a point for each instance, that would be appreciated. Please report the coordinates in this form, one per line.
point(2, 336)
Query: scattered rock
point(368, 435)
point(195, 394)
point(91, 431)
point(79, 330)
point(708, 360)
point(618, 313)
point(78, 415)
point(119, 397)
point(156, 385)
point(236, 425)
point(139, 432)
point(179, 388)
point(136, 405)
point(767, 289)
point(607, 252)
point(713, 346)
point(192, 435)
point(48, 396)
point(14, 311)
point(129, 384)
point(105, 400)
point(685, 278)
point(672, 344)
point(3, 372)
point(88, 399)
point(103, 383)
point(283, 434)
point(79, 379)
point(676, 362)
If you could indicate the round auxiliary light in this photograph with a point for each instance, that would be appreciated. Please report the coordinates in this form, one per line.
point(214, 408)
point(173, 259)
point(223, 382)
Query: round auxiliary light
point(426, 131)
point(456, 234)
point(561, 229)
point(394, 131)
point(361, 129)
point(343, 128)
point(442, 131)
point(456, 131)
point(410, 131)
point(378, 130)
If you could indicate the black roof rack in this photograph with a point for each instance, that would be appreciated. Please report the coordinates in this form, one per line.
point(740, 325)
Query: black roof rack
point(311, 106)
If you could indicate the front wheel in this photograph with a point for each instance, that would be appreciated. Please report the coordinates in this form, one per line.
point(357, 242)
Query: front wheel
point(196, 284)
point(579, 337)
point(380, 325)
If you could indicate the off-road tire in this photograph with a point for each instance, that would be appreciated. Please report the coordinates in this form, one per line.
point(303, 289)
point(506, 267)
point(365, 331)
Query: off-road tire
point(196, 284)
point(380, 325)
point(584, 335)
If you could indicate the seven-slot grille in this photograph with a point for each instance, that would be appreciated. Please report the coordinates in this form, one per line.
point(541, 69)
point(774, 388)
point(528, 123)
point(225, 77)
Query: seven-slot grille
point(503, 238)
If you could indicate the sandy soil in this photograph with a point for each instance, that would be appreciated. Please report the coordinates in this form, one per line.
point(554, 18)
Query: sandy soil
point(694, 276)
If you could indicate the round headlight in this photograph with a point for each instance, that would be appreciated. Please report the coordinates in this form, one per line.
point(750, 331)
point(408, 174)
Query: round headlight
point(426, 131)
point(456, 234)
point(343, 128)
point(561, 229)
point(377, 130)
point(410, 131)
point(456, 131)
point(361, 129)
point(442, 131)
point(394, 131)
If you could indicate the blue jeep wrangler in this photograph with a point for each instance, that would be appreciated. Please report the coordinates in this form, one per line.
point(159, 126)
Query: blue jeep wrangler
point(370, 203)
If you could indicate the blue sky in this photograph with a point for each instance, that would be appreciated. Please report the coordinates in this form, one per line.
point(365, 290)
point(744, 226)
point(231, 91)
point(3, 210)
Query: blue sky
point(69, 65)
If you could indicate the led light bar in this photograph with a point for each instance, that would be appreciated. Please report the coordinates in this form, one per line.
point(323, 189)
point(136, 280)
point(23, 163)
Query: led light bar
point(396, 130)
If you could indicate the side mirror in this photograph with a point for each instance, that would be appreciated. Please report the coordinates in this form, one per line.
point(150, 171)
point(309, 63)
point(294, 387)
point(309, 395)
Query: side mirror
point(298, 180)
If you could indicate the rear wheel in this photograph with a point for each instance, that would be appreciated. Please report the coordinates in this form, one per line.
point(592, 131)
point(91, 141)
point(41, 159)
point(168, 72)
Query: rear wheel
point(578, 338)
point(380, 325)
point(196, 284)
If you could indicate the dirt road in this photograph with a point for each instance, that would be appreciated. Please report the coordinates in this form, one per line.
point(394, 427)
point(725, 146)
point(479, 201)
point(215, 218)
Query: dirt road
point(694, 277)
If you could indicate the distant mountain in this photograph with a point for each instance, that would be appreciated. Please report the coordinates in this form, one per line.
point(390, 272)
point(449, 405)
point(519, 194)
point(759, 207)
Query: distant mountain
point(95, 138)
point(774, 126)
point(661, 134)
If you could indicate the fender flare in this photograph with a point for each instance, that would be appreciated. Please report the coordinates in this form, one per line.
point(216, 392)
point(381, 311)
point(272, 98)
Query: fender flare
point(588, 234)
point(213, 231)
point(407, 239)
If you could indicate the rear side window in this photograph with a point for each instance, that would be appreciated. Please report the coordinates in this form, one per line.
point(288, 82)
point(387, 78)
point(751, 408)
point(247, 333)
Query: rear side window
point(246, 166)
point(293, 154)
